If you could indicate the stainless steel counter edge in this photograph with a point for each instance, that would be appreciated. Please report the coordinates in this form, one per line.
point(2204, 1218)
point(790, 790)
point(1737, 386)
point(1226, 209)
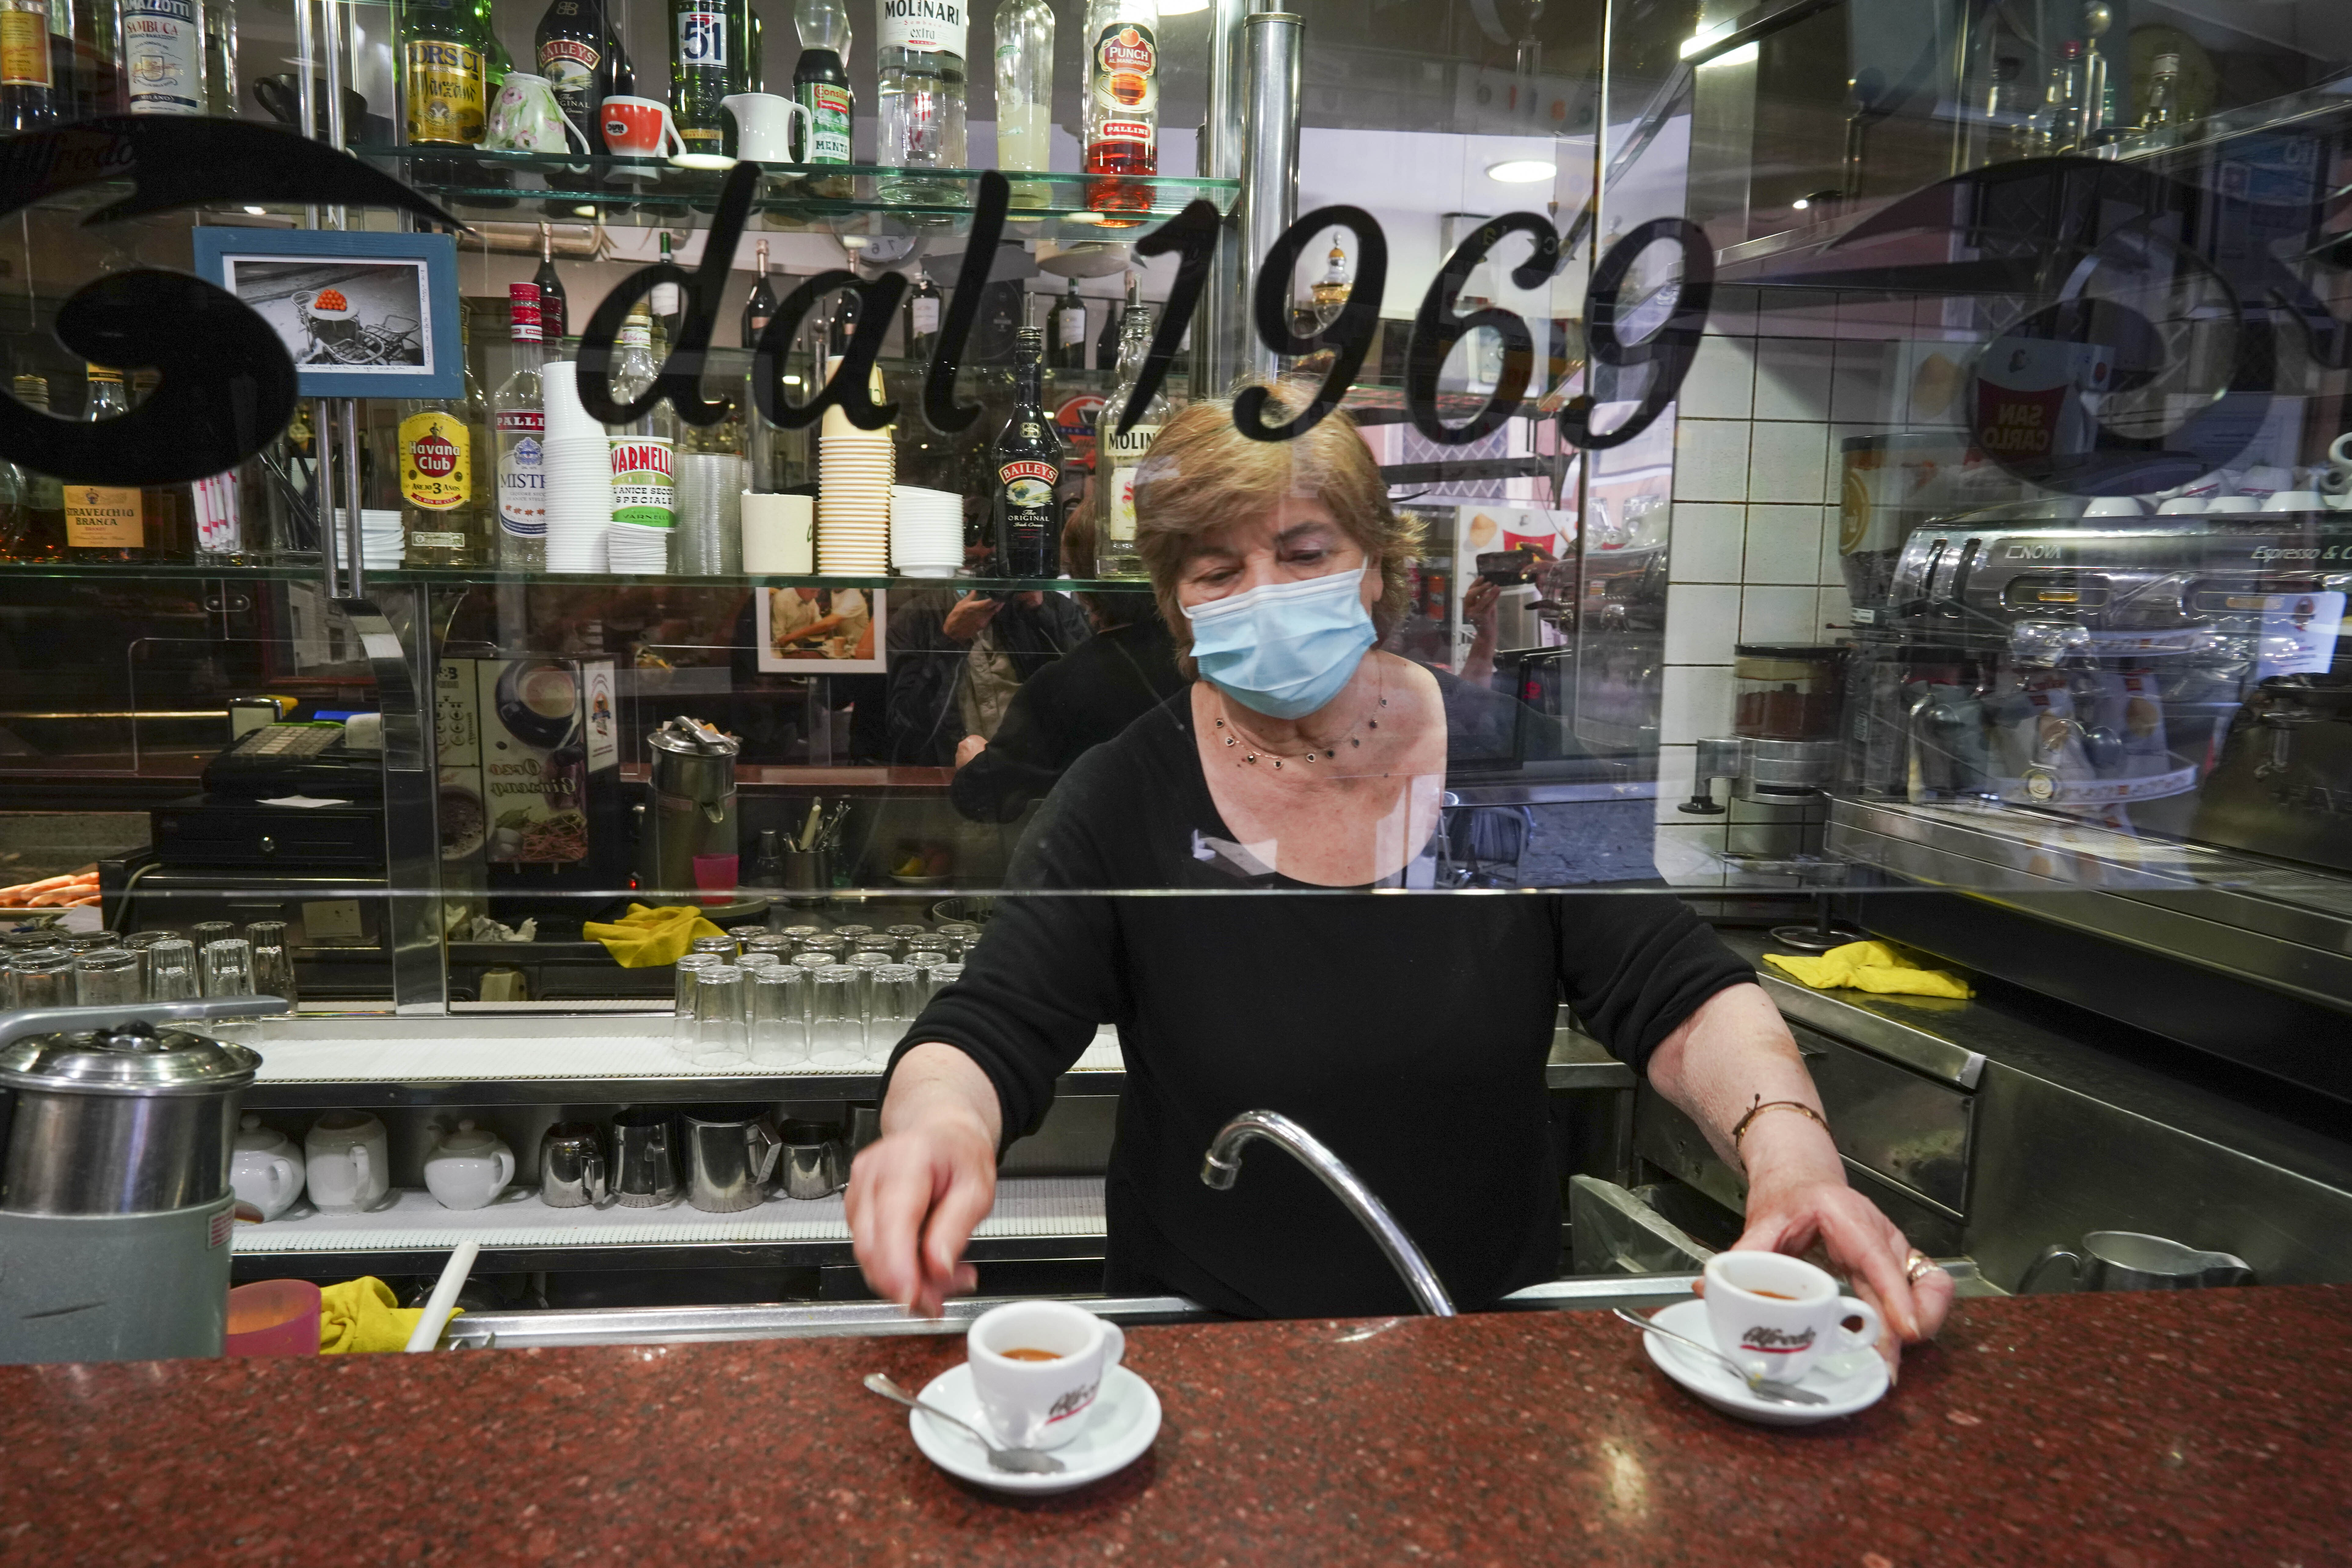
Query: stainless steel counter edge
point(1899, 1042)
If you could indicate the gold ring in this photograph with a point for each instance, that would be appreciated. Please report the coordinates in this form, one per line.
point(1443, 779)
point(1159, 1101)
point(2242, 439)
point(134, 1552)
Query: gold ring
point(1917, 1265)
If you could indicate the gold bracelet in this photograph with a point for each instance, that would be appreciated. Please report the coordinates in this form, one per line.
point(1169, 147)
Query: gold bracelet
point(1763, 1105)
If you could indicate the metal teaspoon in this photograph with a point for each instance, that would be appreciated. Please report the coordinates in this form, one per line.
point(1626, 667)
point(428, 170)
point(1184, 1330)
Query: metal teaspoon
point(1764, 1387)
point(1024, 1461)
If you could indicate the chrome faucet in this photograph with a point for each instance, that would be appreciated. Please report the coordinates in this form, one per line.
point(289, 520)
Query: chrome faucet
point(1224, 1162)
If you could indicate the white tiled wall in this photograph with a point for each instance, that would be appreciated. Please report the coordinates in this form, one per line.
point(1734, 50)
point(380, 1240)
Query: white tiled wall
point(1778, 385)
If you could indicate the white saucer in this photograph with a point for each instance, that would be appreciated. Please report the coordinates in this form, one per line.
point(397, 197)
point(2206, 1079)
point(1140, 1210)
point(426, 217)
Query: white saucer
point(1125, 1420)
point(1862, 1385)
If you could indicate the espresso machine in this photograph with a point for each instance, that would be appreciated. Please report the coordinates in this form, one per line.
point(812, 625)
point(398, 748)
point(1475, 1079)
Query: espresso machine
point(116, 1133)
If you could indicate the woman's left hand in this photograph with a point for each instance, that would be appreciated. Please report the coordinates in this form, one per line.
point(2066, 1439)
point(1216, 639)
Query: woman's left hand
point(1861, 1243)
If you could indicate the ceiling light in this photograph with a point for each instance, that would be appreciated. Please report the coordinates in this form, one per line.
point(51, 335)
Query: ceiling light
point(1522, 171)
point(259, 212)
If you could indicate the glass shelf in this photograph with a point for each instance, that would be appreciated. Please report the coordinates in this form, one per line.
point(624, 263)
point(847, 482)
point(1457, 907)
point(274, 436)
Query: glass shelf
point(828, 198)
point(469, 577)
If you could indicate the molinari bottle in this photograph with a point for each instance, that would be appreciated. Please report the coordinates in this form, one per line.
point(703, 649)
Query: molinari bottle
point(1121, 456)
point(821, 86)
point(163, 52)
point(919, 81)
point(441, 478)
point(520, 415)
point(104, 522)
point(1122, 100)
point(1027, 465)
point(701, 70)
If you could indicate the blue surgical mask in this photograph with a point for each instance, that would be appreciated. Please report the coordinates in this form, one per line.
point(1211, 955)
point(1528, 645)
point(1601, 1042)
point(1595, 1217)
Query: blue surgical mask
point(1286, 649)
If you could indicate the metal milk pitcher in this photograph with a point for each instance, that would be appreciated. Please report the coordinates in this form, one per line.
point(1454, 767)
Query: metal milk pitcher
point(2128, 1260)
point(691, 807)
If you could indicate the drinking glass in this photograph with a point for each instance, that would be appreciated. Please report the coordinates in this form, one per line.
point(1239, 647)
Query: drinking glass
point(205, 932)
point(780, 1015)
point(837, 1017)
point(41, 977)
point(851, 932)
point(760, 958)
point(833, 947)
point(923, 964)
point(273, 961)
point(745, 935)
point(172, 971)
point(814, 958)
point(897, 991)
point(801, 933)
point(682, 1021)
point(724, 946)
point(106, 976)
point(944, 976)
point(229, 967)
point(958, 928)
point(768, 942)
point(138, 941)
point(889, 946)
point(907, 933)
point(718, 1036)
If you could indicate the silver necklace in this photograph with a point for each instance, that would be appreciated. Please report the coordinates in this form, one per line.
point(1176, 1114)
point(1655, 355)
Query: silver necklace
point(1250, 758)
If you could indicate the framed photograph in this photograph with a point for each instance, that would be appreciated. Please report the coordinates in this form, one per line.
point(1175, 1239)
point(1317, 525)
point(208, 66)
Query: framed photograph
point(820, 630)
point(363, 315)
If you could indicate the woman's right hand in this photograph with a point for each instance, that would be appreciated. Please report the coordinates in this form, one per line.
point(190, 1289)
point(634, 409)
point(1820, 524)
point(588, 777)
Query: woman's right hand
point(916, 1192)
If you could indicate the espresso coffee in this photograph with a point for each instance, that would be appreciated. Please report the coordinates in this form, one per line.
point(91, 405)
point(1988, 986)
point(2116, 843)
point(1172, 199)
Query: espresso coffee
point(1775, 1295)
point(1025, 1353)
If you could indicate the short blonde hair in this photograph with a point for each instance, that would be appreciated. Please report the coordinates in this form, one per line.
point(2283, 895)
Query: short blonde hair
point(1201, 475)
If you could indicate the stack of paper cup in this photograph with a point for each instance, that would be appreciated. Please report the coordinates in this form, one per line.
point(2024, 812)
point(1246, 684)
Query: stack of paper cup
point(925, 531)
point(381, 539)
point(854, 471)
point(579, 464)
point(779, 535)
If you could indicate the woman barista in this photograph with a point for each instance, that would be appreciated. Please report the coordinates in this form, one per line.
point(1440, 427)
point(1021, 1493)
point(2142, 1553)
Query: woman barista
point(1409, 1033)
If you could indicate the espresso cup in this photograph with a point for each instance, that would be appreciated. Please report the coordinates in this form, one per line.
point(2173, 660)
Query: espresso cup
point(1775, 1316)
point(1037, 1367)
point(639, 128)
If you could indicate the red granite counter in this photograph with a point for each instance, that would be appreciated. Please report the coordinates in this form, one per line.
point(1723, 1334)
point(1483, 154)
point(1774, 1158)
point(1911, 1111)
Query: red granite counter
point(2120, 1431)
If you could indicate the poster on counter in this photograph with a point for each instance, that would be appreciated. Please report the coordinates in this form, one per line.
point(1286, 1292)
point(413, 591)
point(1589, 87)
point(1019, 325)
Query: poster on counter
point(821, 630)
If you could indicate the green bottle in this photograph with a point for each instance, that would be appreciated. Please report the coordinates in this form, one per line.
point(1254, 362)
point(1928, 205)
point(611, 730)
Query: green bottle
point(704, 66)
point(443, 58)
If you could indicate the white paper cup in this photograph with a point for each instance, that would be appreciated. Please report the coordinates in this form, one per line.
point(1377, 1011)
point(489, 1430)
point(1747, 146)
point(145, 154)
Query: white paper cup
point(779, 535)
point(1776, 1315)
point(1040, 1404)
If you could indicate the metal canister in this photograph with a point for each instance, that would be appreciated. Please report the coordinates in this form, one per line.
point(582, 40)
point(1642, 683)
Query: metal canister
point(693, 801)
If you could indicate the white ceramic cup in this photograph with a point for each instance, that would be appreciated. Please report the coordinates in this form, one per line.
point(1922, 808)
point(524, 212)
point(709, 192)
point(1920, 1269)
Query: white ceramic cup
point(349, 1157)
point(2181, 506)
point(2232, 503)
point(1040, 1404)
point(1775, 1315)
point(2294, 501)
point(779, 535)
point(2114, 505)
point(764, 125)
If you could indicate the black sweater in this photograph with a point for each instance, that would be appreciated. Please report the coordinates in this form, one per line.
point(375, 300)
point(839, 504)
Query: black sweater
point(1075, 703)
point(1408, 1033)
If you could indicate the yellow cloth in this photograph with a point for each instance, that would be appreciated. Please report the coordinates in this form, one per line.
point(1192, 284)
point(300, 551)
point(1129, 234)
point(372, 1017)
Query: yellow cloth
point(1868, 966)
point(358, 1315)
point(649, 938)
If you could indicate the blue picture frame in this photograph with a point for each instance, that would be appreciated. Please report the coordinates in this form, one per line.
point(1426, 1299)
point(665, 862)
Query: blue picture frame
point(362, 314)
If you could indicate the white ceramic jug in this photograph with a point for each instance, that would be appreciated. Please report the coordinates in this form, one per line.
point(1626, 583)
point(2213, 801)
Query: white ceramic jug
point(469, 1169)
point(350, 1158)
point(266, 1168)
point(764, 125)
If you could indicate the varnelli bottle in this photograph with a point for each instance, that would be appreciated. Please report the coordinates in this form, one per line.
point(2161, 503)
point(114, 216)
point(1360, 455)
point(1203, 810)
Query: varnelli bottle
point(1122, 456)
point(519, 410)
point(1027, 464)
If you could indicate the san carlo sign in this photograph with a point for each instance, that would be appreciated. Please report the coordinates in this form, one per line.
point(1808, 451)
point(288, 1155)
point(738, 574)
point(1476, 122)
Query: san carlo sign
point(2104, 256)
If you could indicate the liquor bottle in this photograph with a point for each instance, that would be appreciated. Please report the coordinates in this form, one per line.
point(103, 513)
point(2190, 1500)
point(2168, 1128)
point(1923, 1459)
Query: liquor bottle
point(1066, 331)
point(574, 48)
point(105, 522)
point(1025, 98)
point(519, 410)
point(2160, 124)
point(1329, 291)
point(701, 71)
point(496, 62)
point(2098, 83)
point(164, 55)
point(1114, 551)
point(1122, 100)
point(1114, 329)
point(920, 83)
point(441, 478)
point(1027, 463)
point(220, 59)
point(43, 536)
point(27, 81)
point(666, 303)
point(922, 324)
point(552, 305)
point(842, 325)
point(2061, 103)
point(645, 482)
point(87, 38)
point(444, 59)
point(821, 86)
point(761, 308)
